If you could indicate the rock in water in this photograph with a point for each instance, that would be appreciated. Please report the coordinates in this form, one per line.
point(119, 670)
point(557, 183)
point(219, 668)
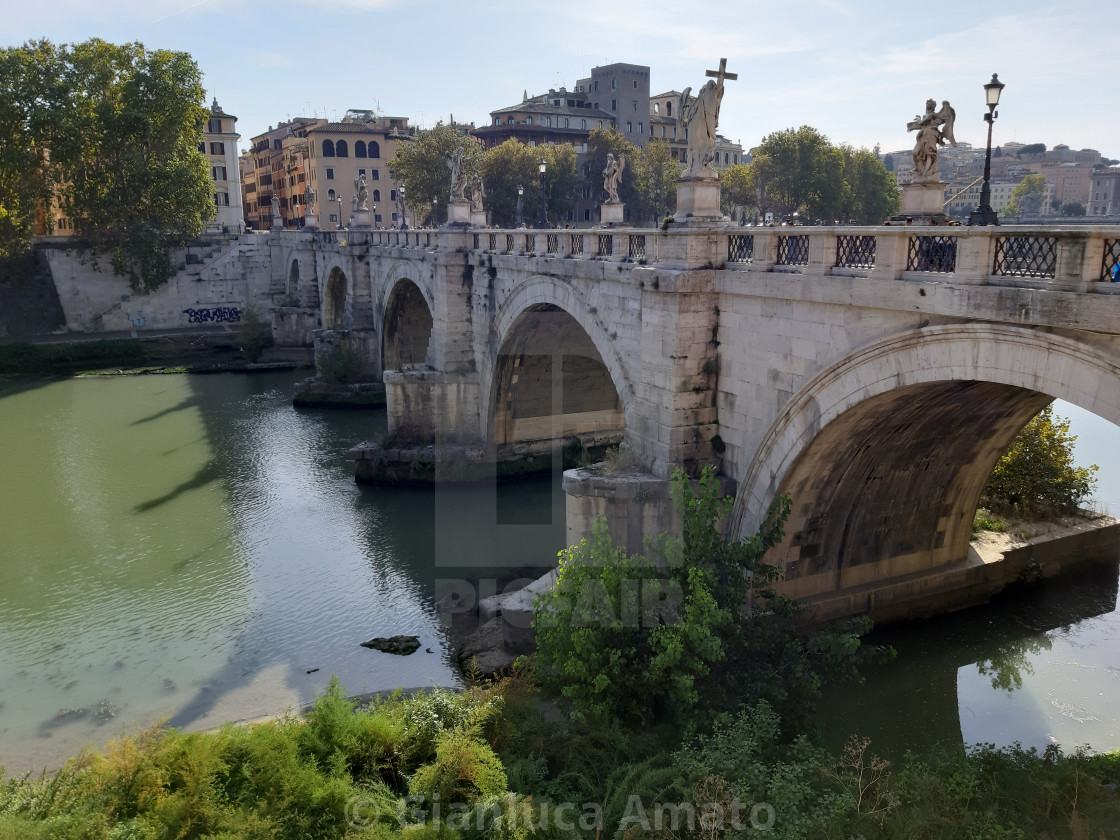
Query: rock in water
point(400, 645)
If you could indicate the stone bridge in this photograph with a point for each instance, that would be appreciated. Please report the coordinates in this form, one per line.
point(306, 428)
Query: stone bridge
point(875, 374)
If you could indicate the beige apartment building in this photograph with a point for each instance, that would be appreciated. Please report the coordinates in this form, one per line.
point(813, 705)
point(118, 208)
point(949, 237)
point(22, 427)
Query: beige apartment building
point(220, 146)
point(338, 152)
point(276, 164)
point(1104, 197)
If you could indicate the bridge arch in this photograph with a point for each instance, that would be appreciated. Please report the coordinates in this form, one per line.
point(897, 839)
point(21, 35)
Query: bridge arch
point(540, 325)
point(406, 328)
point(335, 298)
point(885, 454)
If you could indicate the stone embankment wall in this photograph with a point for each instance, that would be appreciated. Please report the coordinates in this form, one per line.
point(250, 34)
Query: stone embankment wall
point(219, 279)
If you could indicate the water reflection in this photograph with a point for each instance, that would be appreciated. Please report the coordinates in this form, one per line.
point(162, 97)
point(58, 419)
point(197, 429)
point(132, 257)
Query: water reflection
point(1002, 673)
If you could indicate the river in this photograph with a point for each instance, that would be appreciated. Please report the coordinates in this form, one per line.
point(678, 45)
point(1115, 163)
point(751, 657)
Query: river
point(193, 549)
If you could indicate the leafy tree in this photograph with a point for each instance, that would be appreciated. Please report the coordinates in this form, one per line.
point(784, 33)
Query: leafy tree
point(1027, 197)
point(655, 176)
point(562, 183)
point(869, 193)
point(1037, 476)
point(1073, 208)
point(421, 164)
point(113, 133)
point(736, 190)
point(1032, 149)
point(504, 168)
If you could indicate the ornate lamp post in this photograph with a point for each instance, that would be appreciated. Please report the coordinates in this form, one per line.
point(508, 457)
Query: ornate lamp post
point(544, 213)
point(338, 198)
point(984, 214)
point(400, 196)
point(520, 194)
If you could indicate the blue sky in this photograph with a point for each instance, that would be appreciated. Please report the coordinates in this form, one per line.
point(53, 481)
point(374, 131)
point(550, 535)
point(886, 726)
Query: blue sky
point(856, 71)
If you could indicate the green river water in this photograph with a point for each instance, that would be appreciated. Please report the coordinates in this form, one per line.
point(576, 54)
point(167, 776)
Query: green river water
point(189, 548)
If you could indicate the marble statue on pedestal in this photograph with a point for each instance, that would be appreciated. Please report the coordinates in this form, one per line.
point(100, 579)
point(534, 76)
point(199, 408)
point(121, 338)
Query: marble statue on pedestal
point(309, 200)
point(361, 193)
point(935, 129)
point(478, 192)
point(275, 206)
point(700, 116)
point(612, 175)
point(458, 175)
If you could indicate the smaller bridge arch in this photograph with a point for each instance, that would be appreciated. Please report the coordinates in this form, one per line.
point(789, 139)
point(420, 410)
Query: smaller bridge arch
point(407, 328)
point(335, 299)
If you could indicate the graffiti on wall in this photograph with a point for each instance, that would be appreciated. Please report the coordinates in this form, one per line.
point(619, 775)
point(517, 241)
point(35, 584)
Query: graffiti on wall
point(214, 315)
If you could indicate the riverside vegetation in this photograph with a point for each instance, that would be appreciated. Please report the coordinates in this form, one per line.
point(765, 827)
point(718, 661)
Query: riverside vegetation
point(625, 725)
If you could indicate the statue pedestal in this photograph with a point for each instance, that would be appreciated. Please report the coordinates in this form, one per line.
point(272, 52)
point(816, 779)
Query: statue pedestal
point(359, 220)
point(611, 213)
point(924, 203)
point(311, 222)
point(458, 212)
point(277, 222)
point(478, 218)
point(698, 200)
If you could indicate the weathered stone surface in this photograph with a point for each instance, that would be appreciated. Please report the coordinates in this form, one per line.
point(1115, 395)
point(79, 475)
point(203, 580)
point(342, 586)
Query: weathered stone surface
point(484, 651)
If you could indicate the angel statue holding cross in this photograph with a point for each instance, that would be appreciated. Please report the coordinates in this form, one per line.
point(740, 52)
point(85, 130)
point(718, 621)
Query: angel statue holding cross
point(700, 116)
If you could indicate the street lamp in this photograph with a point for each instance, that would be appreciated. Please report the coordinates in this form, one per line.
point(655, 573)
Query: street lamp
point(338, 198)
point(544, 214)
point(400, 196)
point(520, 193)
point(984, 214)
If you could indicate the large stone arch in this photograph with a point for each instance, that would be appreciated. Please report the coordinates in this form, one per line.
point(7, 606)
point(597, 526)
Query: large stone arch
point(885, 453)
point(550, 322)
point(407, 328)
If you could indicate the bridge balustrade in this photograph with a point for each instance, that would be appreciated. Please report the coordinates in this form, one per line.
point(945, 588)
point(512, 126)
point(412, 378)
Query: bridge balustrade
point(636, 250)
point(577, 249)
point(793, 249)
point(740, 248)
point(553, 243)
point(855, 251)
point(606, 245)
point(1110, 261)
point(932, 254)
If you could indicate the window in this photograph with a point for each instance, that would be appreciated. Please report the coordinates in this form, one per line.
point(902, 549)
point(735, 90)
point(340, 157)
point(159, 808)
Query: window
point(548, 122)
point(373, 149)
point(377, 195)
point(218, 173)
point(202, 147)
point(641, 128)
point(341, 149)
point(614, 104)
point(392, 195)
point(629, 127)
point(214, 126)
point(394, 217)
point(565, 122)
point(635, 105)
point(656, 108)
point(583, 123)
point(509, 121)
point(596, 88)
point(334, 218)
point(217, 148)
point(668, 109)
point(614, 83)
point(635, 84)
point(361, 172)
point(221, 199)
point(328, 150)
point(374, 175)
point(587, 215)
point(330, 174)
point(359, 149)
point(528, 120)
point(377, 219)
point(330, 197)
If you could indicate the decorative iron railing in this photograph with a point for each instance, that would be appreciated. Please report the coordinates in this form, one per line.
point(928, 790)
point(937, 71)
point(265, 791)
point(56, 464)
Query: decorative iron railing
point(740, 248)
point(935, 254)
point(493, 242)
point(553, 243)
point(475, 237)
point(509, 243)
point(793, 250)
point(855, 251)
point(1026, 256)
point(606, 244)
point(637, 247)
point(1110, 264)
point(577, 244)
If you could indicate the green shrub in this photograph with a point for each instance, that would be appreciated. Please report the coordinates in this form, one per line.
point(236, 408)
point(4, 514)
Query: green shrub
point(465, 769)
point(1037, 477)
point(342, 366)
point(254, 334)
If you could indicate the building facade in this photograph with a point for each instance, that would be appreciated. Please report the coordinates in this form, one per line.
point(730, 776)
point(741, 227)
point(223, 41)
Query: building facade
point(338, 152)
point(219, 144)
point(277, 166)
point(1104, 195)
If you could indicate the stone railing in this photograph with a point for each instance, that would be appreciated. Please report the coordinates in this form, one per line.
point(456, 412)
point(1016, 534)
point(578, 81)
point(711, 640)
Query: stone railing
point(1085, 258)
